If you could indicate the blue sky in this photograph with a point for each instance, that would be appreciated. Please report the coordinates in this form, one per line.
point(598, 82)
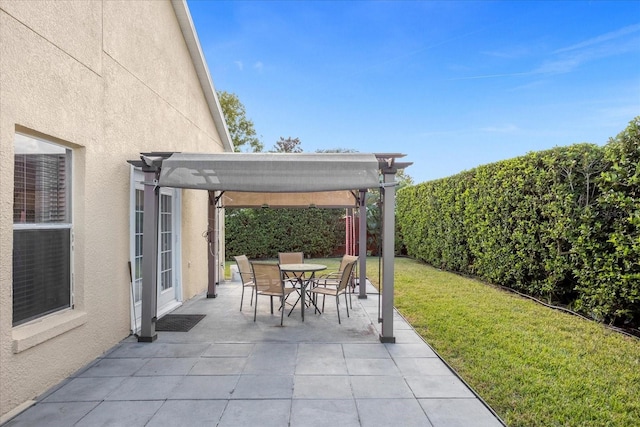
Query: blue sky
point(452, 84)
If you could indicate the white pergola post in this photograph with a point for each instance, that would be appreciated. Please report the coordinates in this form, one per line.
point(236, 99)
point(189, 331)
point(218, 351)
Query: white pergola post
point(388, 254)
point(150, 256)
point(362, 246)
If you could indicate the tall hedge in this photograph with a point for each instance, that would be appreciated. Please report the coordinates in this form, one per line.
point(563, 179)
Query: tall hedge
point(560, 224)
point(262, 233)
point(608, 246)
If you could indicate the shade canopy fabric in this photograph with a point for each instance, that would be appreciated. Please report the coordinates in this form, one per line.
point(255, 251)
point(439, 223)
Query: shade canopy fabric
point(320, 199)
point(270, 172)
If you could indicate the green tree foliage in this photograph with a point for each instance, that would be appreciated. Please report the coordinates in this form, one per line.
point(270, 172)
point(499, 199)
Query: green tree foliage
point(262, 233)
point(403, 179)
point(561, 224)
point(287, 145)
point(243, 134)
point(336, 150)
point(374, 217)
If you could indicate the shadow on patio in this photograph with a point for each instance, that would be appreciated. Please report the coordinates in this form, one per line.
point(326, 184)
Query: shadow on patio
point(230, 371)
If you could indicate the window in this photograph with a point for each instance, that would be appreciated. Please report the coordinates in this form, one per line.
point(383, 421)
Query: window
point(42, 236)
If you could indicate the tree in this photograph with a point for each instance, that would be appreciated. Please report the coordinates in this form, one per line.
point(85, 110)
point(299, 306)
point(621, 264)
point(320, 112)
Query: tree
point(374, 216)
point(403, 179)
point(243, 134)
point(336, 150)
point(374, 211)
point(288, 145)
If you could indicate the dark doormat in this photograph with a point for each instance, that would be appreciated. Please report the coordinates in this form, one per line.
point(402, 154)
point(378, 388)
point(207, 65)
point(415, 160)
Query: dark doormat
point(178, 322)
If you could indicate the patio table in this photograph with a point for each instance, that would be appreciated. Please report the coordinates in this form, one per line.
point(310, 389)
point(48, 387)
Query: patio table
point(303, 281)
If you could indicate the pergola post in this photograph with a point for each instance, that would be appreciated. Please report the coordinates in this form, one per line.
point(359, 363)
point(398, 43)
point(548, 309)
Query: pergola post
point(150, 255)
point(212, 246)
point(388, 253)
point(362, 245)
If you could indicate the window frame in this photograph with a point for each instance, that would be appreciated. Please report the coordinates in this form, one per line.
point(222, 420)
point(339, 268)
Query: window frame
point(66, 224)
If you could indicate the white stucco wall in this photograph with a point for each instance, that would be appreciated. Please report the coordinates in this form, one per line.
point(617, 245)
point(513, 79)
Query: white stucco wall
point(109, 79)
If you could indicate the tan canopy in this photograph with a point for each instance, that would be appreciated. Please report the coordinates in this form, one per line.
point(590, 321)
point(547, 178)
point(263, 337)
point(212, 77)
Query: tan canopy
point(322, 199)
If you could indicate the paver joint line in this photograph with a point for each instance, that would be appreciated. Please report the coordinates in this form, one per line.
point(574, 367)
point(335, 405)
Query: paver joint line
point(232, 371)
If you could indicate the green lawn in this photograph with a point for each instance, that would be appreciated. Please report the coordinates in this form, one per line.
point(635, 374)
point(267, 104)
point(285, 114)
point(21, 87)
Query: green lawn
point(533, 365)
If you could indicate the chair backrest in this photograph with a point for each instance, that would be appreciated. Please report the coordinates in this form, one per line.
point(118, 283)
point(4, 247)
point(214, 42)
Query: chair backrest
point(346, 259)
point(345, 278)
point(290, 257)
point(267, 277)
point(244, 268)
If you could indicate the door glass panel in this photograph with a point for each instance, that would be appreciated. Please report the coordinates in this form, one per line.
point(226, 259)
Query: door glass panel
point(166, 242)
point(137, 264)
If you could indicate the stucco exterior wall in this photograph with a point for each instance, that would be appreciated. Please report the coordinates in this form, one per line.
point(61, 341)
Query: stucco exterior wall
point(109, 80)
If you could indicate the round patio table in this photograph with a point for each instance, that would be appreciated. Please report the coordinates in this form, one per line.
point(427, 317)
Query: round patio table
point(304, 282)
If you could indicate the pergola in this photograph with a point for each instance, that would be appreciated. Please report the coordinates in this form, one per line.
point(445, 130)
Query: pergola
point(323, 180)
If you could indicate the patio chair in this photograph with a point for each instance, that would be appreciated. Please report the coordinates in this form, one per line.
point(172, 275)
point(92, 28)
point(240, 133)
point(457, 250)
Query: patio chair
point(332, 279)
point(345, 277)
point(292, 258)
point(246, 276)
point(268, 281)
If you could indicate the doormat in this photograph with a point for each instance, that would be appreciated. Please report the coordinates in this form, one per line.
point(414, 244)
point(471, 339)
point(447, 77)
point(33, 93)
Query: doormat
point(178, 322)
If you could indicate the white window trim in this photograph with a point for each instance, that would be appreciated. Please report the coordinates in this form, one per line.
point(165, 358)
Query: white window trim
point(42, 333)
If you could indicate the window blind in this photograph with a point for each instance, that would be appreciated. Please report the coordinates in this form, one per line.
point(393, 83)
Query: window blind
point(41, 273)
point(40, 193)
point(42, 229)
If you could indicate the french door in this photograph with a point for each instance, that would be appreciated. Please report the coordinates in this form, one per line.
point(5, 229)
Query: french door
point(169, 291)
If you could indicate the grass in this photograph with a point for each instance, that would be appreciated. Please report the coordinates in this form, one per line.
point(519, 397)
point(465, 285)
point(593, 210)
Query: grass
point(533, 365)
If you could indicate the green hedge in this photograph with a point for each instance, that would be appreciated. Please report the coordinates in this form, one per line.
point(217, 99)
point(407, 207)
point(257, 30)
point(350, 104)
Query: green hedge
point(608, 246)
point(561, 224)
point(262, 233)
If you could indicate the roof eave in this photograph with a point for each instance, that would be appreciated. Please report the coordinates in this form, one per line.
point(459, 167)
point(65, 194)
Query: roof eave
point(202, 70)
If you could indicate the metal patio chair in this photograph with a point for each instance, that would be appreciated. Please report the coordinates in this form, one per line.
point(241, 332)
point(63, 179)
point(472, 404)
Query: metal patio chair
point(246, 276)
point(268, 281)
point(343, 284)
point(332, 279)
point(292, 258)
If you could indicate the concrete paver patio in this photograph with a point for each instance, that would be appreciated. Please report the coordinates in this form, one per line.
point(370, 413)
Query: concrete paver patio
point(230, 371)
